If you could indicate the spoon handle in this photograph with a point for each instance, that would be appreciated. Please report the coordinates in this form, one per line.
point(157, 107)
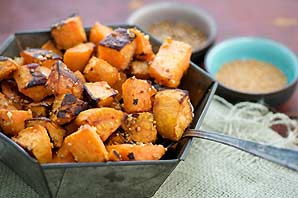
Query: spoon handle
point(285, 157)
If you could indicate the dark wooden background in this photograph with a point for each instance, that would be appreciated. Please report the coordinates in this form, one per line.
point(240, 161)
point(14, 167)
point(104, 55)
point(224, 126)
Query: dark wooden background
point(276, 19)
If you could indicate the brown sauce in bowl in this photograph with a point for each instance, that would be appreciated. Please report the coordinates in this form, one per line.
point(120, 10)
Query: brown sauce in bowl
point(251, 76)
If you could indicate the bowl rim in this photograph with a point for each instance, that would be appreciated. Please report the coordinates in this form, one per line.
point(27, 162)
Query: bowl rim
point(232, 41)
point(200, 12)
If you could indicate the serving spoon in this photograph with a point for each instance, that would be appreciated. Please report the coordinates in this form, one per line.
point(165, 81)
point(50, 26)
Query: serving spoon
point(282, 156)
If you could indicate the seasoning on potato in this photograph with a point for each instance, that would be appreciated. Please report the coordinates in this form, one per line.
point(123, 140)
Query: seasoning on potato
point(43, 57)
point(95, 105)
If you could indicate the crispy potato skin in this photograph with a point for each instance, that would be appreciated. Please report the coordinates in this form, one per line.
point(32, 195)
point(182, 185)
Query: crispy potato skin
point(105, 119)
point(77, 57)
point(62, 81)
point(118, 48)
point(170, 63)
point(100, 70)
point(69, 32)
point(7, 67)
point(98, 32)
point(31, 80)
point(36, 139)
point(13, 121)
point(50, 46)
point(86, 146)
point(99, 94)
point(137, 95)
point(128, 152)
point(172, 111)
point(140, 127)
point(143, 49)
point(55, 132)
point(42, 57)
point(66, 107)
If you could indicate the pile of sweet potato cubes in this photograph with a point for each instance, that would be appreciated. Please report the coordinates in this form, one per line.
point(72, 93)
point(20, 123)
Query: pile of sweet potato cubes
point(95, 100)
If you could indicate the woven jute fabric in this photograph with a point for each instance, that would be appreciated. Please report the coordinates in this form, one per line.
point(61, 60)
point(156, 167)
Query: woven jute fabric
point(210, 170)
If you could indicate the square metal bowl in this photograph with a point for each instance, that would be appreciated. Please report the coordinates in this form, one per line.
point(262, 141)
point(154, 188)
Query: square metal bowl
point(103, 179)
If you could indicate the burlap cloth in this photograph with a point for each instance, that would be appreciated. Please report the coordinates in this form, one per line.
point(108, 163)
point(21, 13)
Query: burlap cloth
point(210, 170)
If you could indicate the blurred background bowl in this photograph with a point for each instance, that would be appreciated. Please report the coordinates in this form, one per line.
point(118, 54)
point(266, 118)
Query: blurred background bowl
point(262, 49)
point(150, 14)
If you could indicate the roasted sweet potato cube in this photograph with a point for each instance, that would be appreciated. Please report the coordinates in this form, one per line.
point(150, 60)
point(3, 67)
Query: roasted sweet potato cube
point(86, 146)
point(144, 49)
point(69, 32)
point(118, 84)
point(5, 103)
point(66, 107)
point(77, 57)
point(140, 69)
point(105, 119)
point(42, 57)
point(170, 63)
point(62, 81)
point(128, 152)
point(80, 76)
point(140, 127)
point(13, 121)
point(63, 155)
point(50, 46)
point(100, 70)
point(99, 32)
point(172, 112)
point(36, 140)
point(39, 109)
point(99, 94)
point(10, 90)
point(118, 48)
point(31, 80)
point(55, 132)
point(137, 95)
point(7, 67)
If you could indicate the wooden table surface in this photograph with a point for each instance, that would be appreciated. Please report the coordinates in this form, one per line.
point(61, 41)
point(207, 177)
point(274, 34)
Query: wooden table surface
point(276, 19)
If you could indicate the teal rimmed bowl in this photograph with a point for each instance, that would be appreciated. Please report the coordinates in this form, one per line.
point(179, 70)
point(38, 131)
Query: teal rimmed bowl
point(261, 49)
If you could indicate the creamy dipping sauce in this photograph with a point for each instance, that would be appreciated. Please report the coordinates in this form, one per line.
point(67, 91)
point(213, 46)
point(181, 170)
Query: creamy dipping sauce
point(251, 76)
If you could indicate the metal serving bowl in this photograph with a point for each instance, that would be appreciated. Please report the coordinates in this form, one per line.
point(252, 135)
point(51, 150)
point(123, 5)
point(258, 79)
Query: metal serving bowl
point(103, 179)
